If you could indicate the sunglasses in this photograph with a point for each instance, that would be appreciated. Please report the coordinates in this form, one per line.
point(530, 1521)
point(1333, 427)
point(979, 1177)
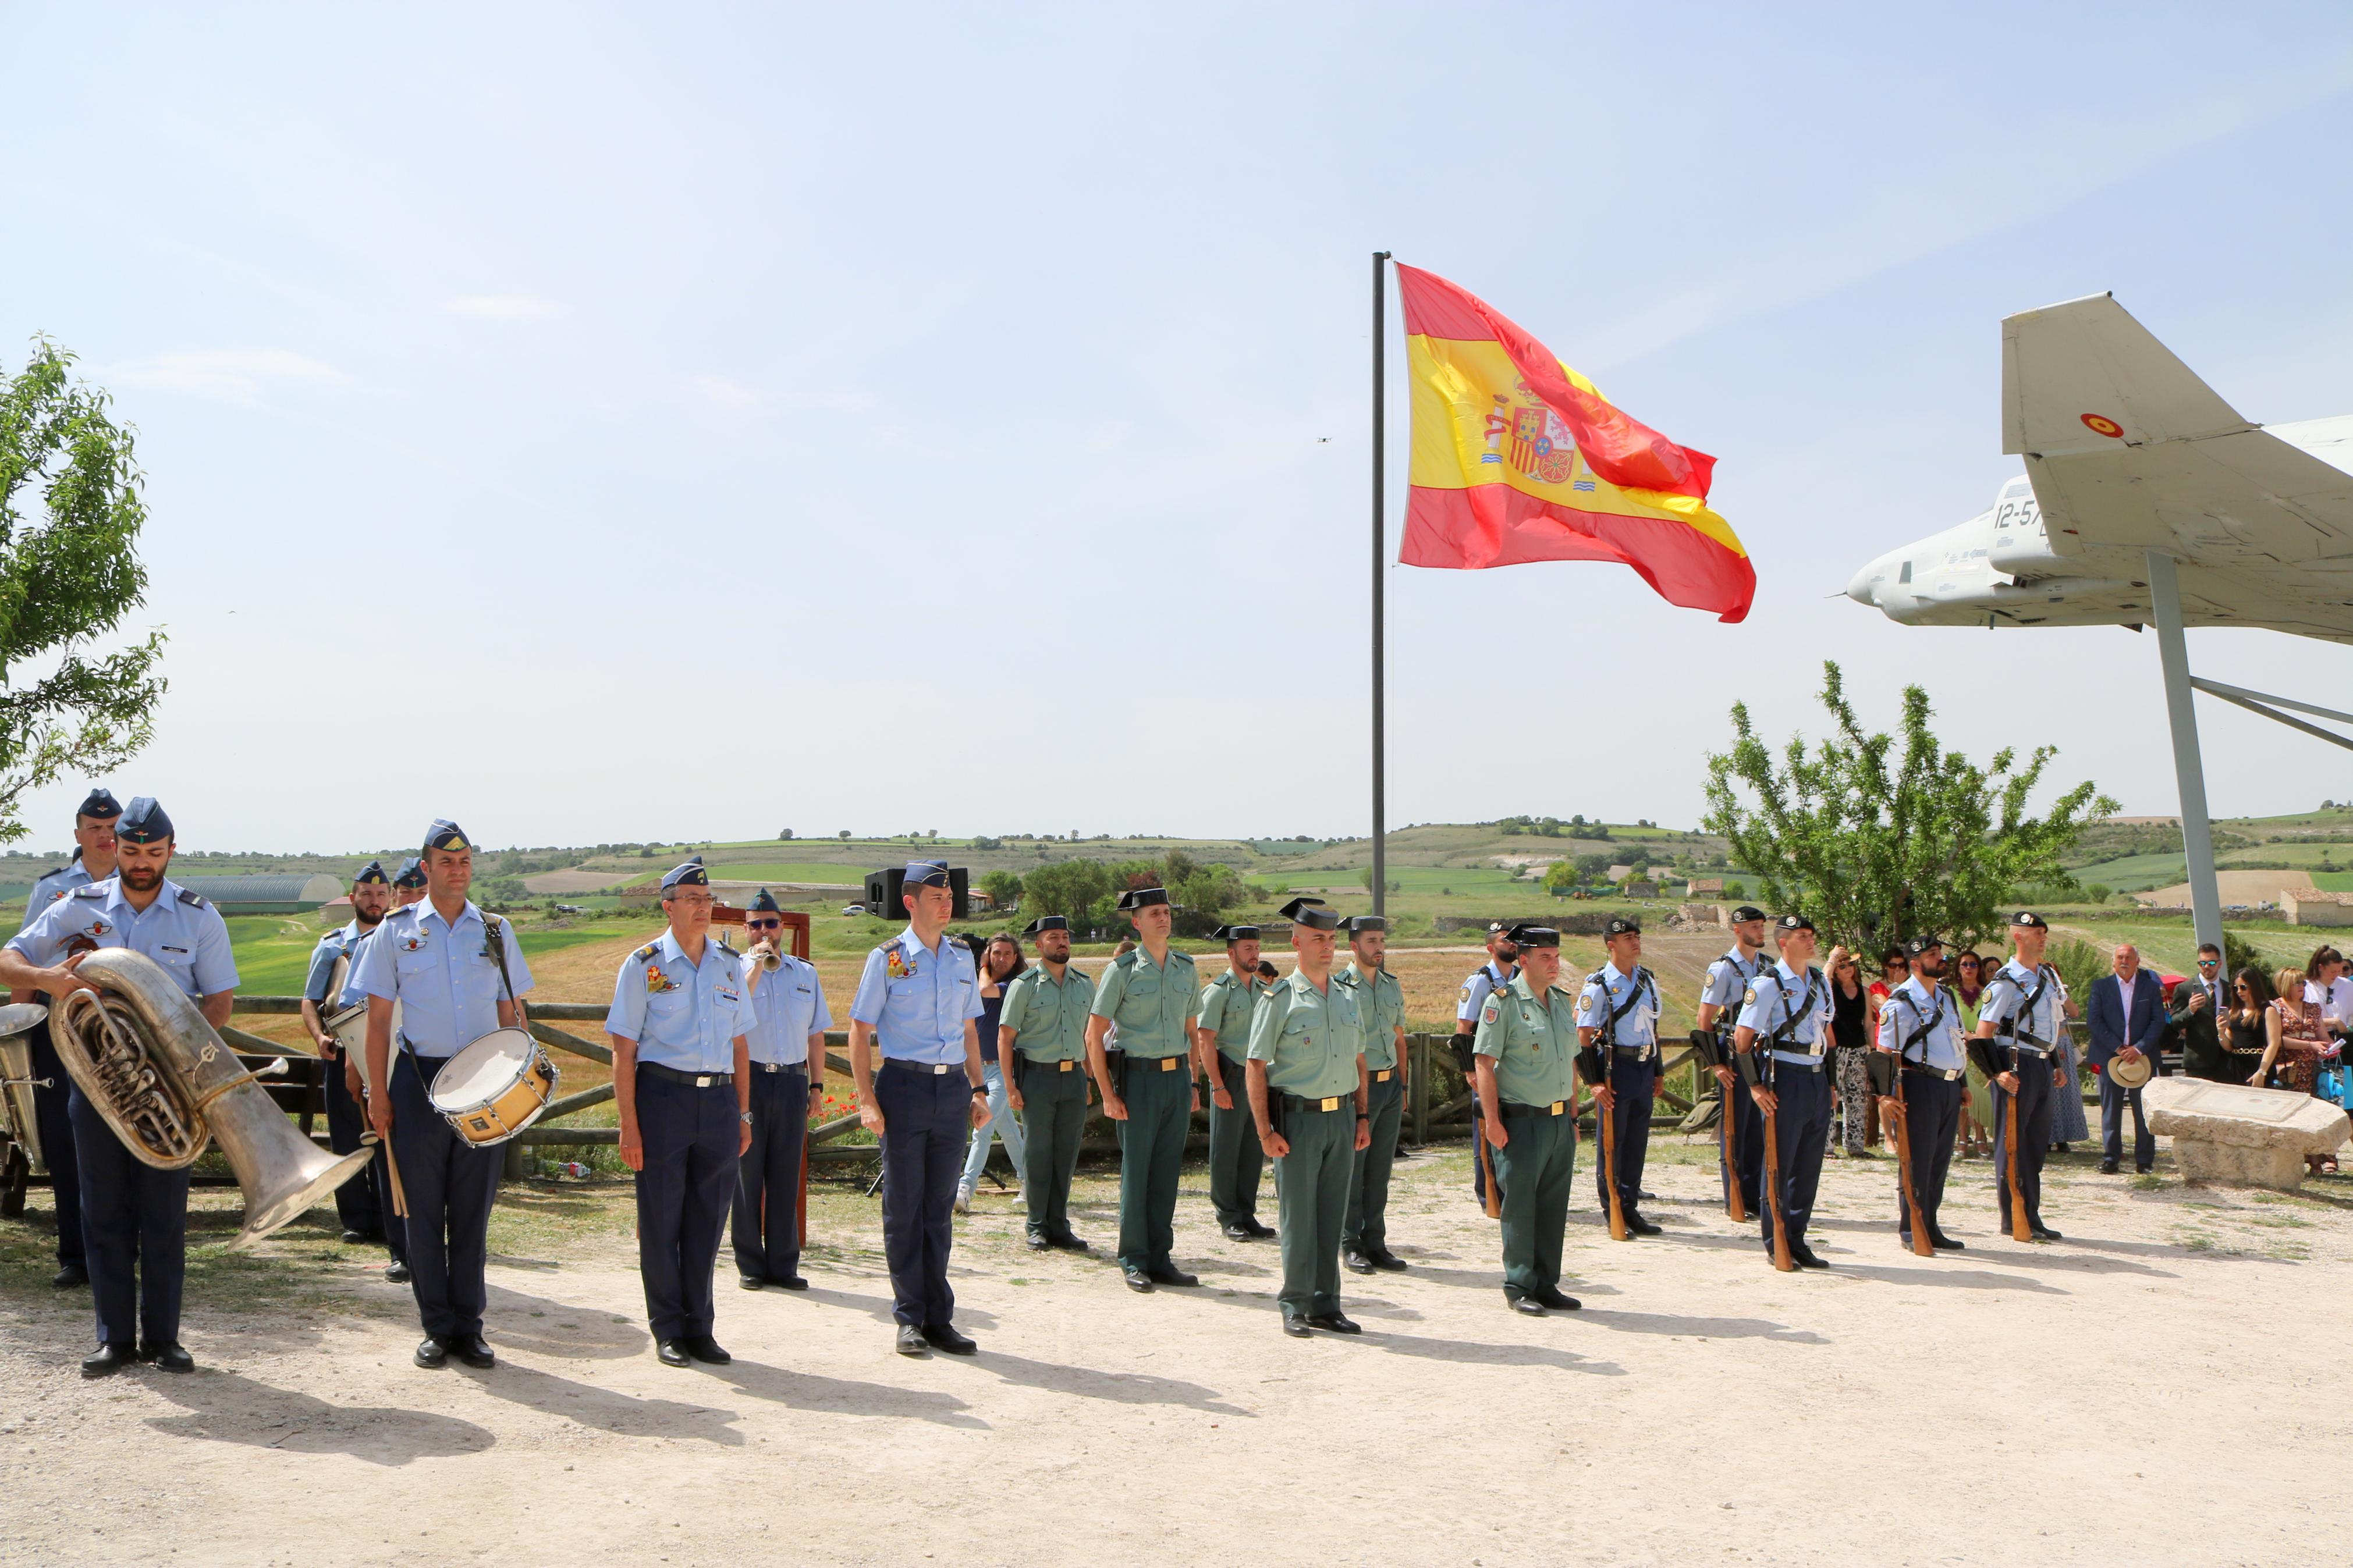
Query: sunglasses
point(764, 925)
point(2209, 964)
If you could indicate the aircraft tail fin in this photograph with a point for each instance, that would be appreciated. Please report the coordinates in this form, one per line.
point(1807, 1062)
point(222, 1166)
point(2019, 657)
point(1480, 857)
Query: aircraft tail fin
point(2084, 376)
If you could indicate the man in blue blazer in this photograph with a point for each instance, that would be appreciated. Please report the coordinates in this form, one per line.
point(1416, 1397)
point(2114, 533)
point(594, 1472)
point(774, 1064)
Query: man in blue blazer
point(2127, 1016)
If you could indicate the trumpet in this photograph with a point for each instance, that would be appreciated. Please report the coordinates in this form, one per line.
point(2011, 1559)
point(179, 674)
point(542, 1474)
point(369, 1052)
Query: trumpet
point(769, 959)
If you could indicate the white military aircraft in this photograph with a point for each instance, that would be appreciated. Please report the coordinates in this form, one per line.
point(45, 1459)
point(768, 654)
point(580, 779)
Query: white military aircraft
point(2127, 451)
point(2146, 500)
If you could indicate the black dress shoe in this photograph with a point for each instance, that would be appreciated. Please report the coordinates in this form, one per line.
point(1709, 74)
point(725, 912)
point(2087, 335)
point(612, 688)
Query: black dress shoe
point(1557, 1301)
point(1389, 1263)
point(671, 1353)
point(749, 1281)
point(353, 1238)
point(1641, 1226)
point(168, 1356)
point(911, 1341)
point(1171, 1275)
point(1804, 1256)
point(1942, 1242)
point(706, 1350)
point(1333, 1322)
point(1297, 1328)
point(1238, 1233)
point(1357, 1262)
point(2044, 1233)
point(70, 1275)
point(1069, 1243)
point(431, 1353)
point(2107, 1167)
point(473, 1349)
point(1138, 1280)
point(1527, 1305)
point(943, 1337)
point(788, 1282)
point(1261, 1232)
point(395, 1272)
point(1037, 1243)
point(109, 1358)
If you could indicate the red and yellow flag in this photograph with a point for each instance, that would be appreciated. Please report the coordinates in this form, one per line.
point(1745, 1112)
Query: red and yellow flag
point(1516, 458)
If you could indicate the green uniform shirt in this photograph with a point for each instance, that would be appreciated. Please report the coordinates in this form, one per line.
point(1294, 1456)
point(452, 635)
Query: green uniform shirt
point(1154, 1005)
point(1306, 1037)
point(1048, 1018)
point(1383, 1011)
point(1533, 1040)
point(1226, 1004)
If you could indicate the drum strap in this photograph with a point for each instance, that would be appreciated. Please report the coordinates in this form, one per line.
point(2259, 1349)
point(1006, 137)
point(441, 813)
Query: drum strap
point(497, 930)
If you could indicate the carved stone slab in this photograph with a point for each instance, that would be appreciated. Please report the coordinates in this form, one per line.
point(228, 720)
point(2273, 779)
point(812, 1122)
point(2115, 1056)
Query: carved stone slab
point(2238, 1134)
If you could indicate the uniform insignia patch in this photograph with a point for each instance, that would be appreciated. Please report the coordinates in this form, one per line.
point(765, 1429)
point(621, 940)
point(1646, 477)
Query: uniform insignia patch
point(98, 927)
point(656, 982)
point(895, 964)
point(413, 943)
point(1749, 997)
point(1491, 1012)
point(1465, 996)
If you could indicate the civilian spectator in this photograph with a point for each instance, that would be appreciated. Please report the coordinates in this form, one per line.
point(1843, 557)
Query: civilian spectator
point(1895, 969)
point(2290, 1059)
point(1001, 961)
point(2127, 1016)
point(2200, 1005)
point(1850, 1081)
point(2250, 1027)
point(1971, 973)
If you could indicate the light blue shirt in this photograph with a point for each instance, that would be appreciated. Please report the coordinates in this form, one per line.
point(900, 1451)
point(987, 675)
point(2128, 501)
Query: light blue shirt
point(918, 999)
point(1780, 995)
point(683, 1014)
point(1605, 991)
point(1485, 979)
point(1909, 1006)
point(179, 930)
point(1727, 978)
point(789, 1007)
point(443, 976)
point(2005, 1000)
point(331, 946)
point(51, 886)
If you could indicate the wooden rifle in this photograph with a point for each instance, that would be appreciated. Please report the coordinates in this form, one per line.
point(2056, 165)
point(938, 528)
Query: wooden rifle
point(1710, 1049)
point(1887, 1071)
point(1596, 1068)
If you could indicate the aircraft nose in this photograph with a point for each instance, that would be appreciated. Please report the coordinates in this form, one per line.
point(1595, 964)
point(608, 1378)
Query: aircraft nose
point(1859, 588)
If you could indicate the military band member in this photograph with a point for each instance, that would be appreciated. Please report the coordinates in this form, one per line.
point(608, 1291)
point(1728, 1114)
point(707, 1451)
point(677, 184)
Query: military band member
point(1306, 1076)
point(1221, 1049)
point(682, 1080)
point(1719, 1009)
point(2023, 1010)
point(455, 971)
point(408, 887)
point(1618, 1016)
point(788, 1042)
point(917, 999)
point(1380, 1007)
point(1920, 1028)
point(1503, 963)
point(135, 1216)
point(1153, 997)
point(1780, 1047)
point(1041, 1046)
point(355, 1203)
point(94, 861)
point(1527, 1052)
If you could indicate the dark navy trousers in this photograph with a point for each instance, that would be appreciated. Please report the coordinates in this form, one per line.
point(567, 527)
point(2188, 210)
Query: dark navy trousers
point(134, 1232)
point(1932, 1115)
point(1801, 1134)
point(450, 1185)
point(2034, 1109)
point(684, 1192)
point(1634, 1081)
point(926, 1121)
point(2113, 1103)
point(356, 1201)
point(55, 1126)
point(766, 1235)
point(1747, 1145)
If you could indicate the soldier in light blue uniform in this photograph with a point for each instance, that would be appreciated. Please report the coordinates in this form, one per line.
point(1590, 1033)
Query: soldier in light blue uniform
point(1307, 1094)
point(1618, 1016)
point(917, 999)
point(135, 1216)
point(1221, 1048)
point(1380, 1007)
point(1041, 1046)
point(682, 1080)
point(94, 861)
point(788, 1068)
point(1728, 980)
point(1920, 1031)
point(1780, 1046)
point(455, 971)
point(1154, 998)
point(2024, 1013)
point(1502, 963)
point(355, 1203)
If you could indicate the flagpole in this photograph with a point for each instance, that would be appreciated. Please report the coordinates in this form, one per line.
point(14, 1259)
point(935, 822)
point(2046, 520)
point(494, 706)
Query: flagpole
point(1380, 560)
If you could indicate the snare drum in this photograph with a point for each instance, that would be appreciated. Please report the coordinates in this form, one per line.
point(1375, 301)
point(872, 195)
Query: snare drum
point(494, 1088)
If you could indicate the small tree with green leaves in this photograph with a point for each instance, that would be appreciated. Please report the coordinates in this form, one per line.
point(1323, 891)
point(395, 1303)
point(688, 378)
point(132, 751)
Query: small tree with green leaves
point(69, 572)
point(1876, 842)
point(1003, 888)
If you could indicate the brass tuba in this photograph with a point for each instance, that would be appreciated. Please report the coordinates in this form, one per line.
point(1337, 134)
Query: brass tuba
point(168, 1085)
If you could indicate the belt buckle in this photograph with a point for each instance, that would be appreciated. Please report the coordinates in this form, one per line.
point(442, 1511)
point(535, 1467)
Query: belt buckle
point(1557, 1107)
point(1169, 1064)
point(1065, 1065)
point(1383, 1075)
point(1333, 1103)
point(702, 1080)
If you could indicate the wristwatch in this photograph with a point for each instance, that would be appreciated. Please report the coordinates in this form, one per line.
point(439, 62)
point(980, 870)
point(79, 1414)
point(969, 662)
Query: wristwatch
point(980, 1091)
point(745, 1117)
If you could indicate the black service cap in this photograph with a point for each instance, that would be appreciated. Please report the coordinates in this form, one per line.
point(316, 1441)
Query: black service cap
point(1788, 923)
point(1045, 923)
point(1360, 924)
point(1746, 913)
point(1920, 945)
point(1623, 925)
point(1534, 936)
point(2027, 919)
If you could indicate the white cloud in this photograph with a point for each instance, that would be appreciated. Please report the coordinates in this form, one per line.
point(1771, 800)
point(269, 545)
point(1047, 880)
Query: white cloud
point(237, 373)
point(503, 307)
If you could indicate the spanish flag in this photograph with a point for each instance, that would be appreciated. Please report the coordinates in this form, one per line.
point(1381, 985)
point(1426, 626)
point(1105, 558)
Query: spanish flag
point(1516, 458)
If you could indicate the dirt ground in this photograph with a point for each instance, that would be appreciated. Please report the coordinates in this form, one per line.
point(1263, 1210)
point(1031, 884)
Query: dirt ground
point(2164, 1386)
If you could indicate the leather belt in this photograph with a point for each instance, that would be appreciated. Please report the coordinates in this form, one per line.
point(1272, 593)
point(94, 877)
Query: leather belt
point(1065, 1065)
point(929, 1070)
point(1644, 1052)
point(801, 1067)
point(691, 1079)
point(1301, 1102)
point(2033, 1050)
point(1945, 1074)
point(1382, 1075)
point(1516, 1107)
point(1167, 1064)
point(1797, 1059)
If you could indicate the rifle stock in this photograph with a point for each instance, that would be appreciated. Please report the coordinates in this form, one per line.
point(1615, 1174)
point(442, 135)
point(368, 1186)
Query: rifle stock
point(2019, 1230)
point(1487, 1169)
point(1607, 1119)
point(1921, 1245)
point(1728, 1146)
point(1781, 1259)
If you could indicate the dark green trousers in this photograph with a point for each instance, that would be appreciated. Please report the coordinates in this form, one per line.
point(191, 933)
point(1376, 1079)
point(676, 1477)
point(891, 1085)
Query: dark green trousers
point(1310, 1189)
point(1151, 1155)
point(1366, 1230)
point(1534, 1171)
point(1235, 1158)
point(1053, 1118)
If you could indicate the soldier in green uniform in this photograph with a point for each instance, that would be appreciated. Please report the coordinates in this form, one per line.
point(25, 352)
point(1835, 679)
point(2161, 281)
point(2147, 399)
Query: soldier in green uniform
point(1380, 1004)
point(1307, 1095)
point(1527, 1052)
point(1221, 1046)
point(1152, 995)
point(1041, 1039)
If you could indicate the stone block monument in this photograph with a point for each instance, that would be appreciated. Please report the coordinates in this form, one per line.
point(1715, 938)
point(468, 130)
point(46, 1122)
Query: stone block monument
point(2240, 1135)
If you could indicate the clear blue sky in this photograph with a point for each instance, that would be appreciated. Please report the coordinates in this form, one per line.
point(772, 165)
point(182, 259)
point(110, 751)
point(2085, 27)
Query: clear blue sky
point(512, 383)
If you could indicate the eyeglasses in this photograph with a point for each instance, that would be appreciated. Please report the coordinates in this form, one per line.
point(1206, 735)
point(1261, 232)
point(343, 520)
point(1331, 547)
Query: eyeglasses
point(764, 925)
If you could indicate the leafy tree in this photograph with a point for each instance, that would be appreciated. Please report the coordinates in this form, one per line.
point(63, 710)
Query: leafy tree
point(1563, 874)
point(1003, 888)
point(69, 572)
point(1080, 890)
point(786, 834)
point(1876, 843)
point(845, 833)
point(1591, 868)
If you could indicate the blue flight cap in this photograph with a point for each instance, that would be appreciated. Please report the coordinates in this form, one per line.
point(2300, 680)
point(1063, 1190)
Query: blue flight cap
point(144, 823)
point(927, 874)
point(371, 872)
point(765, 903)
point(410, 875)
point(99, 803)
point(690, 875)
point(446, 835)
